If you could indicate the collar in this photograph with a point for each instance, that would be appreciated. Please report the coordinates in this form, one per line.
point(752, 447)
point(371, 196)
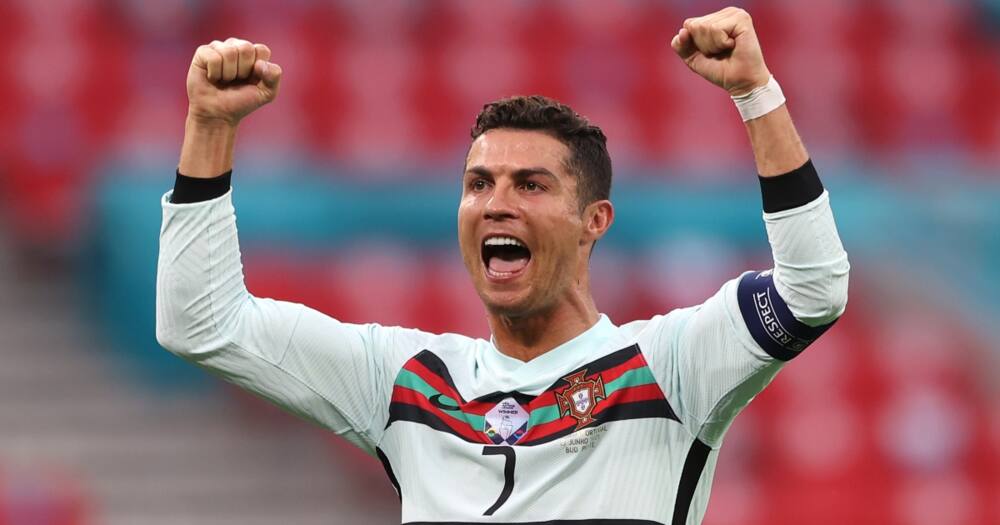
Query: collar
point(506, 373)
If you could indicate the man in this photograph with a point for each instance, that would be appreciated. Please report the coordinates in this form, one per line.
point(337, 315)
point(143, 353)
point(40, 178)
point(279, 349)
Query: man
point(562, 415)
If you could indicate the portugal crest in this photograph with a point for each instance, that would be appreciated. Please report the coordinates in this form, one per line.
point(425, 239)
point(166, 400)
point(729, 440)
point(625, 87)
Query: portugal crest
point(580, 397)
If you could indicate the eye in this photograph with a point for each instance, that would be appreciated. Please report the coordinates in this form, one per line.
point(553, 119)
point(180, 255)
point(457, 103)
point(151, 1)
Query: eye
point(531, 186)
point(478, 185)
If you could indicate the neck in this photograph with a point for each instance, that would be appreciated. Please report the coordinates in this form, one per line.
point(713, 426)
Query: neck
point(529, 336)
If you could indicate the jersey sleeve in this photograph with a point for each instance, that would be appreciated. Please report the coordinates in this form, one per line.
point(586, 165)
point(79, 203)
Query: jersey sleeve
point(712, 359)
point(336, 374)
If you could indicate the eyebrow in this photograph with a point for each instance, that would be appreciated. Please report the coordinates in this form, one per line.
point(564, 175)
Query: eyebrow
point(518, 174)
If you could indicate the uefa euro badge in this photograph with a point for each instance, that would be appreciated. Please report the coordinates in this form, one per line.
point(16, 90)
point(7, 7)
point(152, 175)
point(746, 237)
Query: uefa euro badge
point(506, 422)
point(580, 397)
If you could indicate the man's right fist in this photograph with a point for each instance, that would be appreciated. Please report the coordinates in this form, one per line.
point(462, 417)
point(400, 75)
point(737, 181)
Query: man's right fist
point(229, 80)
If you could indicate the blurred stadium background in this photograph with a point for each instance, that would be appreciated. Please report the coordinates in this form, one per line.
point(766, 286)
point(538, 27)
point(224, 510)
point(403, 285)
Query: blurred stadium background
point(346, 190)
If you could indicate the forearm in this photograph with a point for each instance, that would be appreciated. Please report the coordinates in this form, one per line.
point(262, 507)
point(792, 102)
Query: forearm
point(204, 312)
point(810, 264)
point(777, 148)
point(208, 148)
point(199, 286)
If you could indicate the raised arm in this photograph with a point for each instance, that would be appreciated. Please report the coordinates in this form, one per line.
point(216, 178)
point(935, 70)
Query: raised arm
point(810, 263)
point(334, 373)
point(717, 356)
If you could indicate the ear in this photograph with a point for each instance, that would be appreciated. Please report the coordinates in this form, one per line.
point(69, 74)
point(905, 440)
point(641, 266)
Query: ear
point(598, 217)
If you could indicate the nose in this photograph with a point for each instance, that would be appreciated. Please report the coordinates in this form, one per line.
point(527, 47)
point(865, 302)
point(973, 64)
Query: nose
point(501, 204)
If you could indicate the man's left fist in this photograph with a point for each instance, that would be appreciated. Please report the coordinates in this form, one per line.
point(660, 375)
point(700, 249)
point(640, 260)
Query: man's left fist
point(722, 47)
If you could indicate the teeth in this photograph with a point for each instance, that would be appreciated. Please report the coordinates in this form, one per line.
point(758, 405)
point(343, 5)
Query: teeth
point(503, 241)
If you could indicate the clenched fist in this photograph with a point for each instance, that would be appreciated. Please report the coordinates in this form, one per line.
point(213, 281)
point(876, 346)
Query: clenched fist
point(722, 47)
point(229, 80)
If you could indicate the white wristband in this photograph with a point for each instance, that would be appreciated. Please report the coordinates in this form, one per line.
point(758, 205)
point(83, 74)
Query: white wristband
point(760, 101)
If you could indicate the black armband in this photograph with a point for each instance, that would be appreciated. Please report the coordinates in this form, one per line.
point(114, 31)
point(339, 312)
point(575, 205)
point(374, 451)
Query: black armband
point(791, 190)
point(192, 189)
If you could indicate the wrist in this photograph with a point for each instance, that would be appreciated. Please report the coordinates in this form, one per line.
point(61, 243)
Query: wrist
point(208, 147)
point(760, 100)
point(759, 81)
point(209, 125)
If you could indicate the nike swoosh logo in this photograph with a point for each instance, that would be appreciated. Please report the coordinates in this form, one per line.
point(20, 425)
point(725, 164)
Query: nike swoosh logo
point(436, 401)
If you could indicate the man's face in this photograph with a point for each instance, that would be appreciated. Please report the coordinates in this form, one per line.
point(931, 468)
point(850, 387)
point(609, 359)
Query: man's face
point(520, 229)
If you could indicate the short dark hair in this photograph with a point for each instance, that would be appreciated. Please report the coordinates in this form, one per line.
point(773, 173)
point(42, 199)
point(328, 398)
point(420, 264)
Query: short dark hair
point(588, 159)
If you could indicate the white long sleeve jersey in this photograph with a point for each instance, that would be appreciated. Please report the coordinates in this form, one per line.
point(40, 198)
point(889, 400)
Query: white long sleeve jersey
point(620, 425)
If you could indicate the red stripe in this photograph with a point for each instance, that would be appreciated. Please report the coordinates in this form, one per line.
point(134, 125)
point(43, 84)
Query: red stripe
point(630, 395)
point(611, 374)
point(620, 396)
point(435, 381)
point(478, 407)
point(432, 379)
point(540, 431)
point(548, 397)
point(544, 399)
point(460, 426)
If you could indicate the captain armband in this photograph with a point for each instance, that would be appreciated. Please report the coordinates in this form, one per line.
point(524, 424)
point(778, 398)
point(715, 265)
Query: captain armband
point(771, 324)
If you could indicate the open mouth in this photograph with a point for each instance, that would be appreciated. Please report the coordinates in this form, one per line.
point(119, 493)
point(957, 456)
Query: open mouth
point(504, 256)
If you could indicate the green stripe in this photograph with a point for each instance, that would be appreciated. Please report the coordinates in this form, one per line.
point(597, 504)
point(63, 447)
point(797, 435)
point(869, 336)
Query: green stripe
point(412, 381)
point(635, 377)
point(477, 422)
point(543, 415)
point(408, 379)
point(539, 416)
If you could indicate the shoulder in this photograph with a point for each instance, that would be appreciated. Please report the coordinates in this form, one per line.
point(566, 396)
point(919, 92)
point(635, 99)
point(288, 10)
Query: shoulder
point(410, 342)
point(448, 343)
point(406, 337)
point(658, 325)
point(663, 330)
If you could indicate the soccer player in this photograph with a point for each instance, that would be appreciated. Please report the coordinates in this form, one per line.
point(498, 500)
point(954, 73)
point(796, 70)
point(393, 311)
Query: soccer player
point(562, 416)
